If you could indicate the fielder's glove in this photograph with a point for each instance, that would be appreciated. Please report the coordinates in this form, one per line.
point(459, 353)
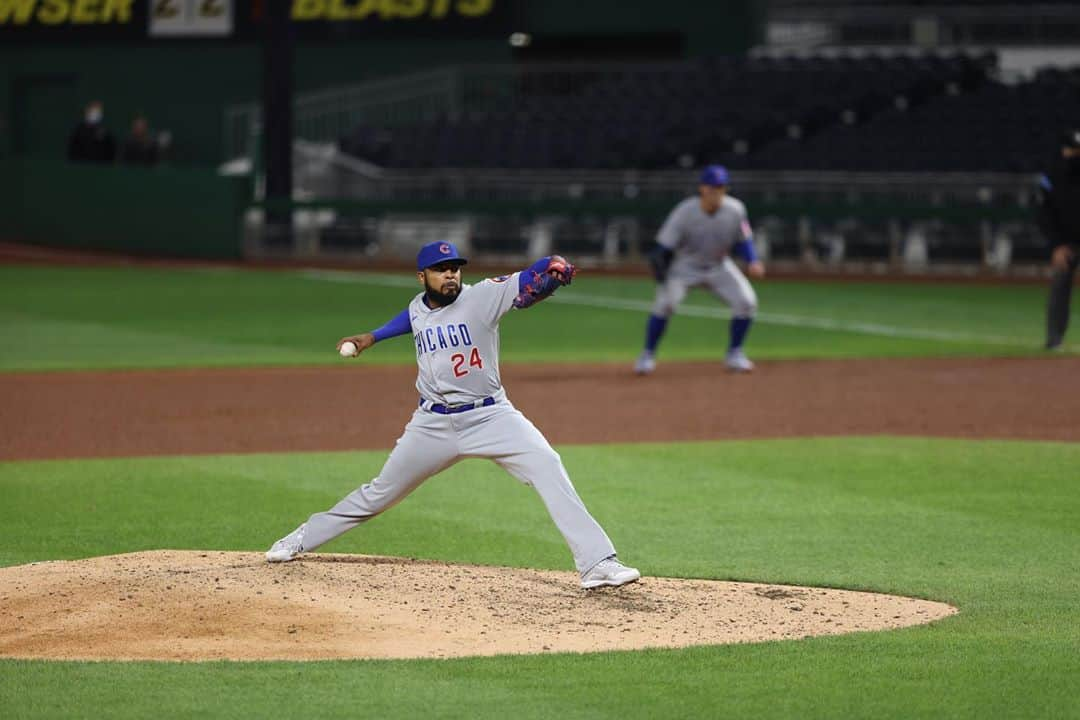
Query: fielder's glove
point(660, 260)
point(560, 269)
point(543, 278)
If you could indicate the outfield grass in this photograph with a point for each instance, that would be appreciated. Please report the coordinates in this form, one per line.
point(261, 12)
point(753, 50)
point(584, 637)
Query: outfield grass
point(988, 526)
point(73, 318)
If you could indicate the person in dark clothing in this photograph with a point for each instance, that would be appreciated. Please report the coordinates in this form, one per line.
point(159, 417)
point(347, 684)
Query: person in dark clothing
point(1059, 220)
point(90, 141)
point(139, 148)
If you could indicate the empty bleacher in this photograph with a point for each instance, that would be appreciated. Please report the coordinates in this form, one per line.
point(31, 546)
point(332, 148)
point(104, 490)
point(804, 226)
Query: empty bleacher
point(939, 112)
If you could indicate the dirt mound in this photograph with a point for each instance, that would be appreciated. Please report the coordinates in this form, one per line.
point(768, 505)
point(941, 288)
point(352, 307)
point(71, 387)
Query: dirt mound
point(191, 605)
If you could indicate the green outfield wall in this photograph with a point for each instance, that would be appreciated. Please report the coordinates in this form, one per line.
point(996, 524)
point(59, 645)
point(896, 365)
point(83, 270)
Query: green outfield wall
point(174, 212)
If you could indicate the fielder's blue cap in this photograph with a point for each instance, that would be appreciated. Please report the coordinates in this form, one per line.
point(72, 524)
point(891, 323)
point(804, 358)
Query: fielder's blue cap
point(714, 175)
point(437, 252)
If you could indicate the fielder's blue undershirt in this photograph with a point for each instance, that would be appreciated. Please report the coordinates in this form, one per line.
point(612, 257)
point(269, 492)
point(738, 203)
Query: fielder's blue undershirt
point(745, 248)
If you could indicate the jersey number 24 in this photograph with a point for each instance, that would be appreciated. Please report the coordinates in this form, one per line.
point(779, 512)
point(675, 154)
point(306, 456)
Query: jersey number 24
point(459, 361)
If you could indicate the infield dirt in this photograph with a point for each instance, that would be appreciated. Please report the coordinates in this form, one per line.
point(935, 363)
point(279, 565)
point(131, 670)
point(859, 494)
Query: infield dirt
point(160, 412)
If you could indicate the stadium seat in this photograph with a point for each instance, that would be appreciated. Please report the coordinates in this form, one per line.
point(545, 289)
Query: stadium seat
point(856, 112)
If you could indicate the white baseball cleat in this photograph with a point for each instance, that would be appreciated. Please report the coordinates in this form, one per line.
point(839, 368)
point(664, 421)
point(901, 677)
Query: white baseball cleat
point(288, 547)
point(645, 363)
point(736, 361)
point(611, 572)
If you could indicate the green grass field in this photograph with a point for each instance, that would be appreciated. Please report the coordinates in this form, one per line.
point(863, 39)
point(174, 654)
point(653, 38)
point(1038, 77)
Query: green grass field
point(989, 526)
point(115, 318)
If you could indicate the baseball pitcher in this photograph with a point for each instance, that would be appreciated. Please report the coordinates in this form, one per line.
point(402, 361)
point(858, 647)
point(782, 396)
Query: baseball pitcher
point(694, 249)
point(463, 411)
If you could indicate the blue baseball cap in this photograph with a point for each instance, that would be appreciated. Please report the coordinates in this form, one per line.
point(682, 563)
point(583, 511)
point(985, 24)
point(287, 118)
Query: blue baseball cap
point(437, 252)
point(714, 175)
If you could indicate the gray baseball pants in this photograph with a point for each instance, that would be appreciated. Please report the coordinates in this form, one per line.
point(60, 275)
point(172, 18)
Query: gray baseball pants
point(724, 280)
point(433, 442)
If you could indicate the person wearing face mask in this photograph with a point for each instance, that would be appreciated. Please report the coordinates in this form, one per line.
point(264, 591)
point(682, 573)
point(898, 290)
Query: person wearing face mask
point(90, 141)
point(1059, 220)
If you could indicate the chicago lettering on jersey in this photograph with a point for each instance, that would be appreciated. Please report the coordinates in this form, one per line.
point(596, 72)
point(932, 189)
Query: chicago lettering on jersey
point(441, 337)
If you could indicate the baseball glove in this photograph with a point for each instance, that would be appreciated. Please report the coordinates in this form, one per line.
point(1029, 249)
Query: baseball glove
point(543, 280)
point(561, 270)
point(660, 261)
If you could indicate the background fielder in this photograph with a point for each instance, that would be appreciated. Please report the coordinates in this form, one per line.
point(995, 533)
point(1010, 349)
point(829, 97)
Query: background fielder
point(464, 412)
point(693, 249)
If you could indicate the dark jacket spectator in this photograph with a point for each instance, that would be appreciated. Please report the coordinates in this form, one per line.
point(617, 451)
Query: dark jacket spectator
point(90, 141)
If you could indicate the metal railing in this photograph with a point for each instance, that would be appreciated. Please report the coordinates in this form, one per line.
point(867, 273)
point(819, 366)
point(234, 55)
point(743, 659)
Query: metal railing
point(342, 182)
point(326, 115)
point(861, 222)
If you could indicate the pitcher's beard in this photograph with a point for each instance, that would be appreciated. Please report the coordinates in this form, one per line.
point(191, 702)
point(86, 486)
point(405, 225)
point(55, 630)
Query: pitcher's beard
point(439, 298)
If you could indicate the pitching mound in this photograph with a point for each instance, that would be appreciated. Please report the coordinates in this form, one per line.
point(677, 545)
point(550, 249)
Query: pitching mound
point(182, 605)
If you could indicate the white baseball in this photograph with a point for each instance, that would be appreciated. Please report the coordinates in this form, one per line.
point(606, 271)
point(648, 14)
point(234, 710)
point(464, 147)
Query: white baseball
point(348, 349)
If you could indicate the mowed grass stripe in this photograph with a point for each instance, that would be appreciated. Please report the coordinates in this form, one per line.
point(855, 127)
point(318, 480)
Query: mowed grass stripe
point(716, 311)
point(132, 317)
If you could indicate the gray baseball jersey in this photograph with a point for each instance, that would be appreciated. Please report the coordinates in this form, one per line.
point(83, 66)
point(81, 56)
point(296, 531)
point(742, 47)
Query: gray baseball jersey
point(457, 346)
point(702, 245)
point(464, 412)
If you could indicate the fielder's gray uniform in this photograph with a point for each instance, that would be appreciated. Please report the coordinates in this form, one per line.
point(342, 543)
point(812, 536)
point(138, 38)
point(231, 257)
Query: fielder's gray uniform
point(702, 245)
point(464, 412)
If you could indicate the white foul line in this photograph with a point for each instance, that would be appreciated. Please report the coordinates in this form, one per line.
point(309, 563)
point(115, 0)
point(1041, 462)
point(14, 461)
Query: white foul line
point(716, 312)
